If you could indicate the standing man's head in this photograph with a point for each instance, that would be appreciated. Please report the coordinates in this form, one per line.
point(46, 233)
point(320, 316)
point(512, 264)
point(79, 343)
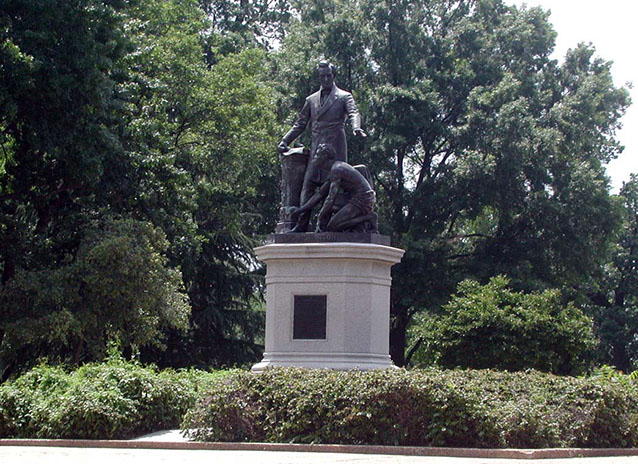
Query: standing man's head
point(327, 72)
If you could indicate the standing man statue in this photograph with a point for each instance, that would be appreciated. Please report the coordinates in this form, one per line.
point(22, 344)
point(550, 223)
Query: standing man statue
point(327, 110)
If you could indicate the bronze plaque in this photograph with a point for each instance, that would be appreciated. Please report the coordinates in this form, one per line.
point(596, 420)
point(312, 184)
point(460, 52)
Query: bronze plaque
point(309, 317)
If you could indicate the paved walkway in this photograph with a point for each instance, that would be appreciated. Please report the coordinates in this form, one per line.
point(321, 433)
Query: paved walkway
point(171, 447)
point(51, 455)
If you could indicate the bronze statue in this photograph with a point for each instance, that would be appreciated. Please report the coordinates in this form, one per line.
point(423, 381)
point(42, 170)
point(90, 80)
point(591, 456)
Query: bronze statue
point(358, 213)
point(327, 110)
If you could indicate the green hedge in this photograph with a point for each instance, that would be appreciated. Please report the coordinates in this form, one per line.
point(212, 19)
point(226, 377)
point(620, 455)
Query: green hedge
point(114, 400)
point(479, 408)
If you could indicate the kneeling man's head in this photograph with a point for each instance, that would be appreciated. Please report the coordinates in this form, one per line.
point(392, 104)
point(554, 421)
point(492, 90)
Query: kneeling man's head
point(325, 152)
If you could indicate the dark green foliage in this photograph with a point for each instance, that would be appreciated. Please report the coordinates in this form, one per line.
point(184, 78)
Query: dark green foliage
point(615, 300)
point(117, 287)
point(492, 326)
point(112, 109)
point(59, 112)
point(243, 23)
point(114, 400)
point(419, 408)
point(203, 133)
point(69, 280)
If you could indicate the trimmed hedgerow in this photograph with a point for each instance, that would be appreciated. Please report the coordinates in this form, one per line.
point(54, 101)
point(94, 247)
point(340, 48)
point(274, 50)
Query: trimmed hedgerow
point(479, 408)
point(117, 399)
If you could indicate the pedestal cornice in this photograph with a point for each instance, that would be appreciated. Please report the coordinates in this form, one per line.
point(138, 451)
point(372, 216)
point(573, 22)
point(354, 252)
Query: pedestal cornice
point(339, 250)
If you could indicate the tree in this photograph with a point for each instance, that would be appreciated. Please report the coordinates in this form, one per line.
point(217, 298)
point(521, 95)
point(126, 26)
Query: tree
point(58, 113)
point(491, 326)
point(615, 300)
point(57, 109)
point(111, 109)
point(117, 288)
point(242, 23)
point(487, 154)
point(203, 131)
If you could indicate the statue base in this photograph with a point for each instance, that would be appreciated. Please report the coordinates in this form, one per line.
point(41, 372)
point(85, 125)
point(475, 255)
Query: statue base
point(329, 237)
point(327, 303)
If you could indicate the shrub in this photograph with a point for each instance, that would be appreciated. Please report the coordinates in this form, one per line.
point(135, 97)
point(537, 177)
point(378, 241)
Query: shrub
point(493, 327)
point(431, 407)
point(117, 399)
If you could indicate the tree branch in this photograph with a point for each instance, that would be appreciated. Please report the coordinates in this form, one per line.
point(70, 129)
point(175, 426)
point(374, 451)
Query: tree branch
point(180, 131)
point(412, 350)
point(383, 184)
point(456, 238)
point(441, 164)
point(462, 255)
point(453, 221)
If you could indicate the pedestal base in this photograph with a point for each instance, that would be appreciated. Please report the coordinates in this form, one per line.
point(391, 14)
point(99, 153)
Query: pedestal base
point(327, 305)
point(338, 361)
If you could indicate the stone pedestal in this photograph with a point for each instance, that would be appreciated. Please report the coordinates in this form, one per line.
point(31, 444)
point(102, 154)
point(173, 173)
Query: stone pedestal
point(327, 304)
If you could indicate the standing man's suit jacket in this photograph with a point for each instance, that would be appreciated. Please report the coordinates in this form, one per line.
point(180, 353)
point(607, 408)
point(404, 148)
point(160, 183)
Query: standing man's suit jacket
point(327, 125)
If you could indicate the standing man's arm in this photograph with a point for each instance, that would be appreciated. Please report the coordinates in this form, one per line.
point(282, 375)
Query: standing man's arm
point(354, 116)
point(297, 128)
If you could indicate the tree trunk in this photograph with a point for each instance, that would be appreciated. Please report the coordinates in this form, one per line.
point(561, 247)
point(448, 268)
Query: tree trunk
point(398, 327)
point(8, 270)
point(5, 366)
point(77, 354)
point(621, 359)
point(397, 346)
point(412, 350)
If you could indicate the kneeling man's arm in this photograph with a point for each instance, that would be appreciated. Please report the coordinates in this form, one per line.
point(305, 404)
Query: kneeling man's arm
point(326, 209)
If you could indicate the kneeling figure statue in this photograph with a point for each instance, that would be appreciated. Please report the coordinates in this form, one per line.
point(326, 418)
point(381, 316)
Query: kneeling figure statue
point(358, 213)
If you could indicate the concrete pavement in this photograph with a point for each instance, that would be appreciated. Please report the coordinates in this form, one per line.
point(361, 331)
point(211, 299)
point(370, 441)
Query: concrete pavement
point(170, 446)
point(59, 455)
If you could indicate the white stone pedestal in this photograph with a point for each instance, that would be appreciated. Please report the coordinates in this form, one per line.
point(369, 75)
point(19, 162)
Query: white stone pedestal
point(351, 281)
